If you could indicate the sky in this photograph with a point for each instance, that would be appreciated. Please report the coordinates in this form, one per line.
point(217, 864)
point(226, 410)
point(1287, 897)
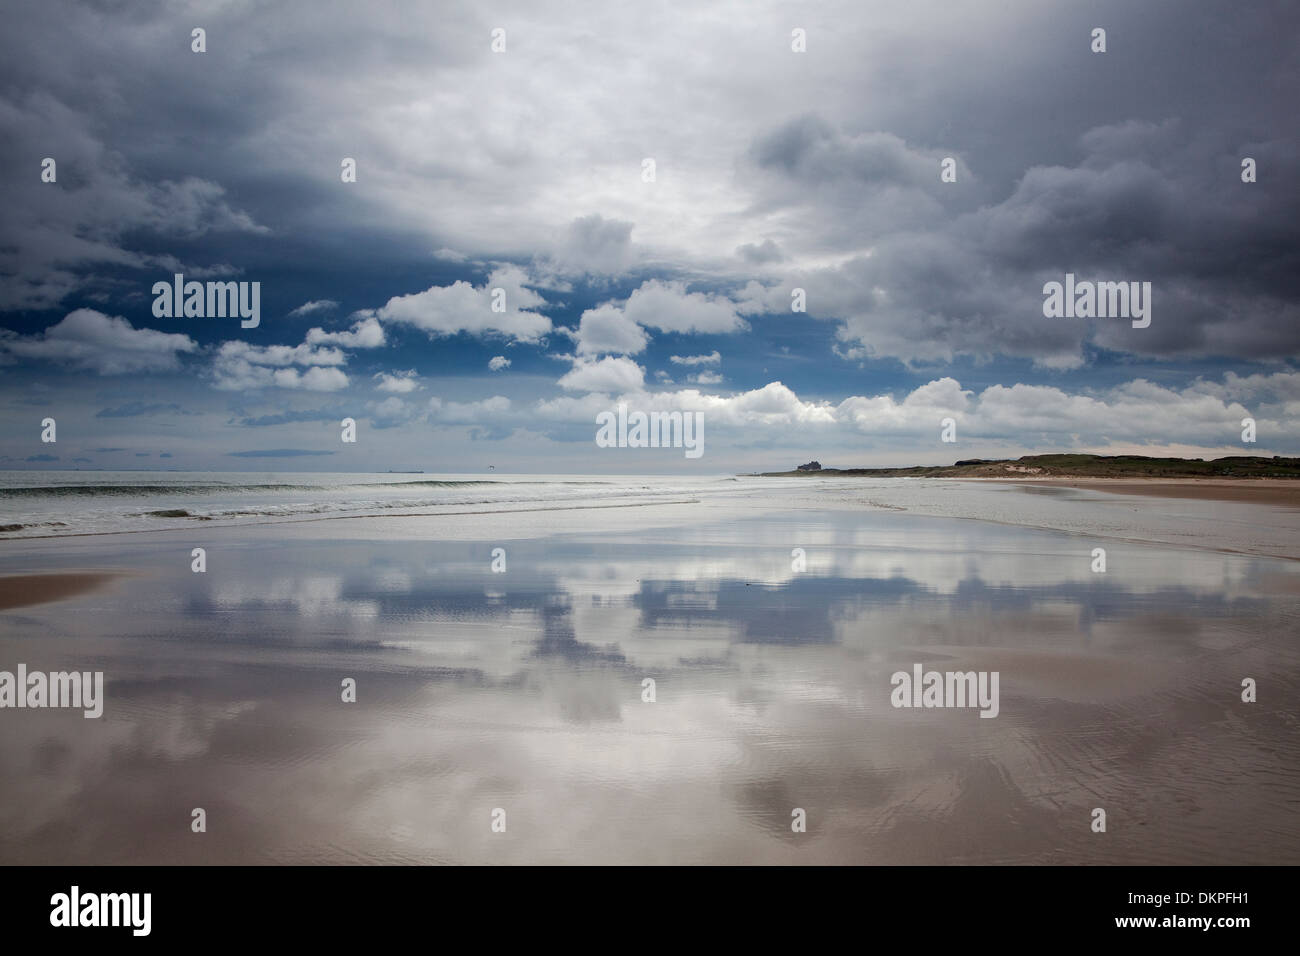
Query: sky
point(646, 187)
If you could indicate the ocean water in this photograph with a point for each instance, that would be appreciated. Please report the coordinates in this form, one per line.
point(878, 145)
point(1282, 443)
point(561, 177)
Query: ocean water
point(56, 503)
point(40, 503)
point(770, 615)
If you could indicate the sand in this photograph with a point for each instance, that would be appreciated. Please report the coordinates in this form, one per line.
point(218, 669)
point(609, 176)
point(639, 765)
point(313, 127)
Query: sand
point(523, 689)
point(24, 590)
point(1272, 491)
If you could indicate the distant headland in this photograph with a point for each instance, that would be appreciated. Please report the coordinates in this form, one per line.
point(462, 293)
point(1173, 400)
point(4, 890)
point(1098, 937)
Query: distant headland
point(1069, 466)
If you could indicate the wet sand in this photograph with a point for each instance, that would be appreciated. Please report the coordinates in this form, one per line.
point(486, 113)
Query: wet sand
point(24, 590)
point(523, 690)
point(1265, 491)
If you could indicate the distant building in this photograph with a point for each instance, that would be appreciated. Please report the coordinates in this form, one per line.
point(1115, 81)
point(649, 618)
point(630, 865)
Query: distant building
point(811, 466)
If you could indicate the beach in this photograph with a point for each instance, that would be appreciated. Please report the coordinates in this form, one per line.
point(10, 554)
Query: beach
point(23, 590)
point(500, 637)
point(1281, 492)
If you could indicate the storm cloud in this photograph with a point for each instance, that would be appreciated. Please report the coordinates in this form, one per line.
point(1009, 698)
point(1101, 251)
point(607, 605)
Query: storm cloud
point(504, 261)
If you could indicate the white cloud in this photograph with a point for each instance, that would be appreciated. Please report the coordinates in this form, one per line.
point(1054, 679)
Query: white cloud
point(498, 362)
point(607, 329)
point(239, 366)
point(364, 334)
point(233, 373)
point(390, 413)
point(713, 358)
point(1130, 414)
point(469, 413)
point(668, 307)
point(280, 355)
point(1279, 385)
point(398, 382)
point(772, 405)
point(920, 411)
point(460, 307)
point(1135, 412)
point(109, 345)
point(316, 305)
point(706, 378)
point(606, 375)
point(759, 299)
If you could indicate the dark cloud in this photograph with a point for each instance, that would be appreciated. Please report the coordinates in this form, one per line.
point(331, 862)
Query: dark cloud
point(595, 244)
point(775, 170)
point(761, 253)
point(134, 409)
point(277, 453)
point(334, 414)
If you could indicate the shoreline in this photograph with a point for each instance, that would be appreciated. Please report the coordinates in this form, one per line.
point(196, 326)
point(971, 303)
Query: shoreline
point(349, 517)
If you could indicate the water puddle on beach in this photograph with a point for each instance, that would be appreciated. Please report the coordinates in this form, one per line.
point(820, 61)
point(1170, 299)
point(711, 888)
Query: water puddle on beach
point(523, 691)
